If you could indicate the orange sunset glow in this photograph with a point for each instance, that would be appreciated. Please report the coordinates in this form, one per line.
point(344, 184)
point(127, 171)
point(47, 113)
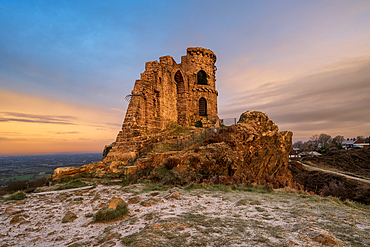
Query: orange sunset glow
point(66, 66)
point(49, 130)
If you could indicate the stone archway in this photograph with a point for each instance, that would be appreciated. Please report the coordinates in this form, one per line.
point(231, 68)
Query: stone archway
point(202, 107)
point(181, 98)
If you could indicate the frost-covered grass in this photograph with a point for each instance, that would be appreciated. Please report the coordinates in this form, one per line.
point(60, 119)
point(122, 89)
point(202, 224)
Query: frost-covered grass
point(204, 215)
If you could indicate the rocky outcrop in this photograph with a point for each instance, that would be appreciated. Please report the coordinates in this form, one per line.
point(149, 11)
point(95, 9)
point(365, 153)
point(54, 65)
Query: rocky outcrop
point(96, 170)
point(253, 148)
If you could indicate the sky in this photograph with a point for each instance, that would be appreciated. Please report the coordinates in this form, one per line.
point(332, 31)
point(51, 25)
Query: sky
point(66, 66)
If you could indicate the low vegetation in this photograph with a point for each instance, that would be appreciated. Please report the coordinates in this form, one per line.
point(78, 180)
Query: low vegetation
point(23, 186)
point(329, 184)
point(77, 183)
point(20, 195)
point(108, 214)
point(199, 214)
point(175, 130)
point(355, 161)
point(166, 175)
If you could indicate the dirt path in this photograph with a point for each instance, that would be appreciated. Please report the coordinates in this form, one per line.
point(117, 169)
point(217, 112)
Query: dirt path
point(60, 191)
point(334, 172)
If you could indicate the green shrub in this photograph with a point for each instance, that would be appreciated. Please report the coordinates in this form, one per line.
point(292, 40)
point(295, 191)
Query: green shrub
point(155, 187)
point(39, 182)
point(72, 184)
point(16, 185)
point(20, 195)
point(195, 186)
point(111, 214)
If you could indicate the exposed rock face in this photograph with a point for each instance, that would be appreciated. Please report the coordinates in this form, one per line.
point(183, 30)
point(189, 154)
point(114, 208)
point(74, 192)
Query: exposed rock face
point(253, 147)
point(63, 172)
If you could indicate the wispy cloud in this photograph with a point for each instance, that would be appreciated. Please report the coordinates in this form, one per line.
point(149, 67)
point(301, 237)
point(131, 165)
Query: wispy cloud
point(66, 133)
point(6, 139)
point(84, 139)
point(31, 118)
point(329, 99)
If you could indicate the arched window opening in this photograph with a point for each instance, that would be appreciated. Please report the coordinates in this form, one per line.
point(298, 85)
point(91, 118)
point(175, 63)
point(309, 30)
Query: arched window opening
point(178, 77)
point(202, 78)
point(181, 98)
point(203, 107)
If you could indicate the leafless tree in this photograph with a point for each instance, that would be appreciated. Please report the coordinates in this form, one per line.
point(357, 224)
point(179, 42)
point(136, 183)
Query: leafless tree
point(298, 144)
point(313, 142)
point(324, 140)
point(362, 138)
point(338, 140)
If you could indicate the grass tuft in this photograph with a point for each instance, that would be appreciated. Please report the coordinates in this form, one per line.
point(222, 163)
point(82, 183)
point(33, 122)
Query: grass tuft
point(77, 183)
point(20, 195)
point(228, 188)
point(155, 187)
point(110, 214)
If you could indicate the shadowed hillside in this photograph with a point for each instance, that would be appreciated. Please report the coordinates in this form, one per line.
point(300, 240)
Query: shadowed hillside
point(355, 161)
point(328, 184)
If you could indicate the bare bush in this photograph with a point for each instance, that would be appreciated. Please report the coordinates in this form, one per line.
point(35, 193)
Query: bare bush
point(334, 188)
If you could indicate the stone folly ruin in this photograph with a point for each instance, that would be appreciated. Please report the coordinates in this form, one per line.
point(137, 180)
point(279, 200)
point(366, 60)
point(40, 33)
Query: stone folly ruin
point(170, 97)
point(167, 93)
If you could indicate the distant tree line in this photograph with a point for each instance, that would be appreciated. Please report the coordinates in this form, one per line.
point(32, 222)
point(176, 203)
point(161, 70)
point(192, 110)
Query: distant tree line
point(324, 142)
point(27, 186)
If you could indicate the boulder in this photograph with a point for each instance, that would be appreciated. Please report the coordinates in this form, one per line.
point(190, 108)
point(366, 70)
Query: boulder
point(17, 218)
point(175, 195)
point(115, 210)
point(63, 172)
point(323, 237)
point(147, 203)
point(69, 217)
point(134, 200)
point(115, 203)
point(12, 210)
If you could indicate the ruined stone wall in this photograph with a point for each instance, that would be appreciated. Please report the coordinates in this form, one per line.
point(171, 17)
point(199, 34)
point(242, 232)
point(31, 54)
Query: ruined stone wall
point(168, 93)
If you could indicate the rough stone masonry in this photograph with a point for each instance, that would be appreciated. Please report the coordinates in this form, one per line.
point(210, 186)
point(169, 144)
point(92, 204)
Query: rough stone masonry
point(184, 93)
point(168, 93)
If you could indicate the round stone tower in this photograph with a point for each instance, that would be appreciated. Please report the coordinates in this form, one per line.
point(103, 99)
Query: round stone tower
point(199, 66)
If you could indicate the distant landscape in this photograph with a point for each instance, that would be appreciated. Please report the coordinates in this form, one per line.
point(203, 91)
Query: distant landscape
point(32, 167)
